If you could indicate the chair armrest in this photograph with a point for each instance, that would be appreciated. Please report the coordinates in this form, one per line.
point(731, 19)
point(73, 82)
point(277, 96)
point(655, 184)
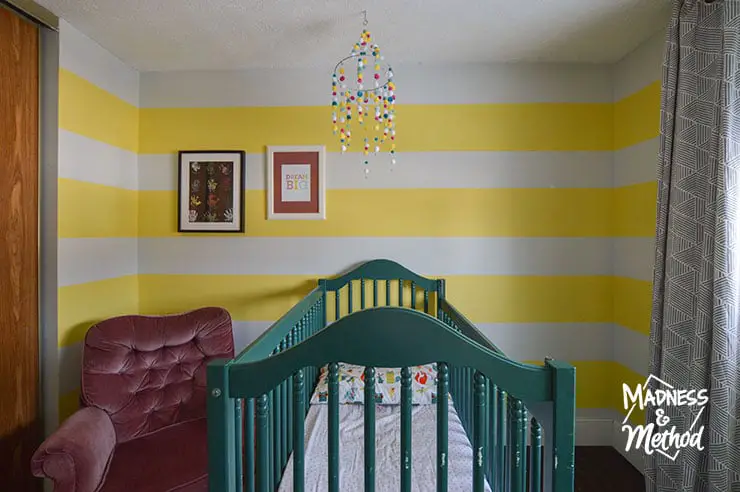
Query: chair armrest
point(76, 456)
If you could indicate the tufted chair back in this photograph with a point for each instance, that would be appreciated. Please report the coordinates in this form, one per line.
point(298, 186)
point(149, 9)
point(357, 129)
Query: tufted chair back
point(149, 372)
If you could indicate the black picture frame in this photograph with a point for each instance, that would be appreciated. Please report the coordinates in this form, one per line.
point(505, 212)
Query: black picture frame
point(186, 223)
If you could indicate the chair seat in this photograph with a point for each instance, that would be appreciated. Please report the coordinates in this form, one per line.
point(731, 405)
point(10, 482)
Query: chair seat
point(174, 458)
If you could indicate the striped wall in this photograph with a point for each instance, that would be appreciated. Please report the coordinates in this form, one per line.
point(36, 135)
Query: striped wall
point(97, 197)
point(636, 128)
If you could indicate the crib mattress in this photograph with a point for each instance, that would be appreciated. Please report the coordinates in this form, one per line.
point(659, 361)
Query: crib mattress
point(388, 450)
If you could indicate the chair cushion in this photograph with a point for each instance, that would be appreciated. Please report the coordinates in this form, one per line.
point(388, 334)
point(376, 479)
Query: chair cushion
point(174, 458)
point(148, 372)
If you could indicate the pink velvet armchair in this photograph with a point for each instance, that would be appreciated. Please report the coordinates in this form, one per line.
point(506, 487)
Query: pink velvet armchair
point(142, 424)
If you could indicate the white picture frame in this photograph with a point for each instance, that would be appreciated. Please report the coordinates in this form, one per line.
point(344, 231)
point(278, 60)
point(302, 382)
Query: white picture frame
point(299, 158)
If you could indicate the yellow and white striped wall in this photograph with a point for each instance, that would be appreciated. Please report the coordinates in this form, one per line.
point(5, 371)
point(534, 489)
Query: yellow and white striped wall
point(530, 188)
point(97, 197)
point(637, 81)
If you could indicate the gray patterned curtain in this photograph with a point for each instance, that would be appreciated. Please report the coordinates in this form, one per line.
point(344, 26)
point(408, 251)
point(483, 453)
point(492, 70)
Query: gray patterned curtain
point(696, 297)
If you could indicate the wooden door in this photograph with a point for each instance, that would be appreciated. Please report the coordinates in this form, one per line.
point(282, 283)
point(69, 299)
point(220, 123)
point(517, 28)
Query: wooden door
point(19, 344)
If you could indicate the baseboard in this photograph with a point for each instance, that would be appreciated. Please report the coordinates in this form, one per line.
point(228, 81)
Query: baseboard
point(603, 427)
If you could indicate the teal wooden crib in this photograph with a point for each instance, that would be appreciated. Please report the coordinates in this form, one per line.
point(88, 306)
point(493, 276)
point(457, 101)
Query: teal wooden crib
point(375, 381)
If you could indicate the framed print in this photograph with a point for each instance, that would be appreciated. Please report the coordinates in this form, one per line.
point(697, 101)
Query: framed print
point(296, 178)
point(210, 191)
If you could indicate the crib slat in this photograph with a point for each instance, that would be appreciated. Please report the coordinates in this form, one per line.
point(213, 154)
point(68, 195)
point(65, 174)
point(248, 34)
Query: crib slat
point(369, 429)
point(493, 432)
point(277, 432)
point(405, 429)
point(387, 292)
point(413, 295)
point(263, 445)
point(517, 452)
point(350, 297)
point(535, 465)
point(238, 442)
point(442, 425)
point(274, 410)
point(400, 292)
point(426, 301)
point(479, 456)
point(501, 442)
point(333, 385)
point(299, 466)
point(249, 441)
point(362, 293)
point(289, 424)
point(375, 293)
point(337, 304)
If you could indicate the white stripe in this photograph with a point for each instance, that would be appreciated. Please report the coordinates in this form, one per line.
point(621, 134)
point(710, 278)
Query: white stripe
point(637, 163)
point(442, 84)
point(84, 260)
point(87, 159)
point(84, 57)
point(634, 257)
point(427, 256)
point(425, 170)
point(631, 349)
point(640, 68)
point(524, 341)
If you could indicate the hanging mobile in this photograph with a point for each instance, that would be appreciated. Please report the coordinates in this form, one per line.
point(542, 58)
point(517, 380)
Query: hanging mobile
point(360, 98)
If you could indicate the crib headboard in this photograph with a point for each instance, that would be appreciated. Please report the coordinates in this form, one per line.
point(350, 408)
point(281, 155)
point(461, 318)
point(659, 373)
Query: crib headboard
point(378, 283)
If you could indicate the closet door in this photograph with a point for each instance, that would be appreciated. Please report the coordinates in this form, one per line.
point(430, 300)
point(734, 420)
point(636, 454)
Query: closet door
point(19, 344)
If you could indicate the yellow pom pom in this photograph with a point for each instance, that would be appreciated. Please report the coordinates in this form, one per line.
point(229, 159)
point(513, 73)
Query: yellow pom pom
point(341, 70)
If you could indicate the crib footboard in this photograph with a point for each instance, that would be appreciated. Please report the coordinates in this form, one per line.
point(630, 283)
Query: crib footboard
point(490, 393)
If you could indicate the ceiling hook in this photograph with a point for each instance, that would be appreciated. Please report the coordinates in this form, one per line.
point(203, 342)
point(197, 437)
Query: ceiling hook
point(364, 14)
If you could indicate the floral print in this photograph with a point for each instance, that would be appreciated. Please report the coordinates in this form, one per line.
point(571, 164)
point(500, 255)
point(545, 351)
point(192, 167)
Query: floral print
point(387, 385)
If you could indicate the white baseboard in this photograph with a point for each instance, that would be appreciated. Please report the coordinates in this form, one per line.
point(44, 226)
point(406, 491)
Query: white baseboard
point(604, 428)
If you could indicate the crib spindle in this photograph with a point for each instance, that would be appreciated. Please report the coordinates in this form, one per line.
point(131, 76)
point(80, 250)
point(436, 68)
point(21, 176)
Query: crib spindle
point(405, 429)
point(493, 449)
point(442, 422)
point(333, 385)
point(400, 292)
point(337, 304)
point(413, 295)
point(501, 435)
point(387, 292)
point(289, 425)
point(517, 451)
point(249, 440)
point(426, 301)
point(375, 293)
point(299, 466)
point(369, 429)
point(238, 441)
point(263, 445)
point(274, 411)
point(350, 297)
point(479, 434)
point(277, 433)
point(362, 293)
point(283, 416)
point(535, 464)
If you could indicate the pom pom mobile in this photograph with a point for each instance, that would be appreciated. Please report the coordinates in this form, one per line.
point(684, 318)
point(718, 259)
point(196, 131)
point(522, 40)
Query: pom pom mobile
point(365, 93)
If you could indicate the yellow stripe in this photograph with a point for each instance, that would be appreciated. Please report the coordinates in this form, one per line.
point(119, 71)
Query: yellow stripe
point(633, 303)
point(87, 109)
point(417, 213)
point(83, 305)
point(94, 210)
point(637, 117)
point(635, 209)
point(69, 403)
point(481, 298)
point(511, 127)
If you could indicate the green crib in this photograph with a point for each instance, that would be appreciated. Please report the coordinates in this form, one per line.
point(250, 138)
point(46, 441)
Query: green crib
point(518, 419)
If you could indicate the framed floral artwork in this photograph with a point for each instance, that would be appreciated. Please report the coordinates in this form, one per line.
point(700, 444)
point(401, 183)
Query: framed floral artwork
point(210, 191)
point(296, 178)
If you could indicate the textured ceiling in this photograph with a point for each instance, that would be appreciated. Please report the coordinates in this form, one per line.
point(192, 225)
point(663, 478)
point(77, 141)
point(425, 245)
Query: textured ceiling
point(242, 34)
